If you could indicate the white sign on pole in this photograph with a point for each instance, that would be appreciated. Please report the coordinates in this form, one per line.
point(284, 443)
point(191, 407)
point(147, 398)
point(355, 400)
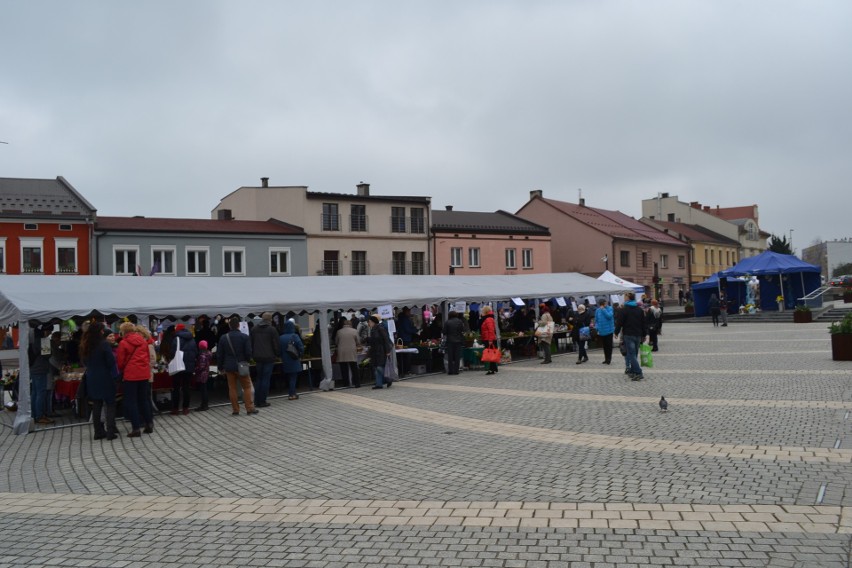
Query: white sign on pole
point(244, 328)
point(574, 306)
point(391, 326)
point(615, 299)
point(386, 312)
point(591, 300)
point(518, 302)
point(560, 301)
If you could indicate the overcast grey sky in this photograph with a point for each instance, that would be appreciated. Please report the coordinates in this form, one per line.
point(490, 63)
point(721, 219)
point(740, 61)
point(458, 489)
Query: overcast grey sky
point(161, 108)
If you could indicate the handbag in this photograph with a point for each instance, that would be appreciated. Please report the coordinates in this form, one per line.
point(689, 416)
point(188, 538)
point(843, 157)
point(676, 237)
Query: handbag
point(646, 358)
point(491, 355)
point(585, 333)
point(391, 374)
point(243, 368)
point(292, 350)
point(176, 365)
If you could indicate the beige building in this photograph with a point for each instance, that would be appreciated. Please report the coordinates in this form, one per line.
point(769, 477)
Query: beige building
point(347, 234)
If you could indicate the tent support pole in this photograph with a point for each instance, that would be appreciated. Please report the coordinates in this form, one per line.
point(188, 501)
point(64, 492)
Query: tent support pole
point(327, 371)
point(23, 418)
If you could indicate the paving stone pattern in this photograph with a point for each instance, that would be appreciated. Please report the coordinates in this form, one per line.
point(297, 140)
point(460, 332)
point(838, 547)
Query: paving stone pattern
point(556, 465)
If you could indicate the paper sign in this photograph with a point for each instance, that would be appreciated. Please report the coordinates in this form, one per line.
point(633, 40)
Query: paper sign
point(518, 302)
point(391, 326)
point(386, 312)
point(574, 306)
point(591, 300)
point(460, 307)
point(560, 301)
point(244, 328)
point(615, 299)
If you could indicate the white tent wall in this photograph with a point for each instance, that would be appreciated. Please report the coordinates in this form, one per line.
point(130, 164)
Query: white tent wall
point(25, 299)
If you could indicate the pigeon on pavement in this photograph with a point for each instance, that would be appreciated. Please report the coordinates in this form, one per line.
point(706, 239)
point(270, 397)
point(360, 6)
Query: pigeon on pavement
point(664, 404)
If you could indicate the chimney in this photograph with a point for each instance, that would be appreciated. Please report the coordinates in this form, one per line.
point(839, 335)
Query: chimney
point(363, 189)
point(449, 207)
point(224, 215)
point(264, 182)
point(536, 193)
point(707, 208)
point(582, 202)
point(695, 205)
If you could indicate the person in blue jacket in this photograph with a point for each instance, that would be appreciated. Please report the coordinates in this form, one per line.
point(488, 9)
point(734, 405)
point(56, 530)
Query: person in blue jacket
point(605, 326)
point(292, 366)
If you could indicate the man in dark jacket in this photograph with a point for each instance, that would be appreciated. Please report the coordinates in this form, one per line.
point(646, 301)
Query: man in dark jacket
point(632, 326)
point(234, 347)
point(181, 382)
point(380, 347)
point(39, 357)
point(266, 348)
point(454, 341)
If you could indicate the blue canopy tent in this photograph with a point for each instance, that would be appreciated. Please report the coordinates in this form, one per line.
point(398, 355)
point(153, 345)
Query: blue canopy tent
point(777, 275)
point(734, 288)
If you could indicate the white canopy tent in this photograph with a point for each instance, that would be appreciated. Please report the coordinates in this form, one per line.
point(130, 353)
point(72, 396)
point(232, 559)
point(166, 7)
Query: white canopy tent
point(27, 300)
point(611, 278)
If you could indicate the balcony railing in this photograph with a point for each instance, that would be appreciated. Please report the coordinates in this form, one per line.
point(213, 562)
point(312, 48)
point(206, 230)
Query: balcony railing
point(412, 267)
point(358, 223)
point(359, 267)
point(330, 268)
point(413, 225)
point(330, 222)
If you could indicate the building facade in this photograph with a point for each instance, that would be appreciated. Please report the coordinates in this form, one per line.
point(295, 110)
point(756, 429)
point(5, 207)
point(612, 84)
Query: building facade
point(830, 256)
point(347, 234)
point(128, 246)
point(468, 242)
point(591, 240)
point(45, 227)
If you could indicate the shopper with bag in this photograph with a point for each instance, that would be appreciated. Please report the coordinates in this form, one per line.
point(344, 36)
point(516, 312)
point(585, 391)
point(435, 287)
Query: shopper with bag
point(605, 325)
point(182, 380)
point(488, 333)
point(544, 335)
point(633, 328)
point(292, 349)
point(380, 349)
point(581, 332)
point(232, 356)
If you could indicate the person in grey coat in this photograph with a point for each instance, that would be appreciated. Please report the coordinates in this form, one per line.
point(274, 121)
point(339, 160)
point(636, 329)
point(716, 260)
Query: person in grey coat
point(266, 349)
point(346, 353)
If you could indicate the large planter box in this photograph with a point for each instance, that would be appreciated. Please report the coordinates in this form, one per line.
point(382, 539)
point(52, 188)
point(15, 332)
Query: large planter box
point(847, 298)
point(841, 346)
point(802, 317)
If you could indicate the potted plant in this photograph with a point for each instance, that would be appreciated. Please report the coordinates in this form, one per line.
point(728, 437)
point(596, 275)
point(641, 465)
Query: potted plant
point(841, 339)
point(689, 307)
point(847, 295)
point(802, 314)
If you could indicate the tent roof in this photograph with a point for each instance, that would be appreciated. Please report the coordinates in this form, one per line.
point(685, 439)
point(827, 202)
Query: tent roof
point(608, 276)
point(713, 282)
point(769, 262)
point(44, 298)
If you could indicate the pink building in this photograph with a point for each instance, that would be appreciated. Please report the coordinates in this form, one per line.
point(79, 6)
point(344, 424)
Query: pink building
point(472, 242)
point(591, 240)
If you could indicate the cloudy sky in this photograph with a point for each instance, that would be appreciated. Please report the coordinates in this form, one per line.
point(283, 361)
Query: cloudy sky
point(160, 108)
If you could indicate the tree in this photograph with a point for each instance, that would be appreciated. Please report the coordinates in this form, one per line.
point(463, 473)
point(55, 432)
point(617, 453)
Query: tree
point(780, 244)
point(842, 269)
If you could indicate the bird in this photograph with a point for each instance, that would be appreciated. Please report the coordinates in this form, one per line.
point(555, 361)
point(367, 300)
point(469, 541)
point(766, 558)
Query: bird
point(664, 404)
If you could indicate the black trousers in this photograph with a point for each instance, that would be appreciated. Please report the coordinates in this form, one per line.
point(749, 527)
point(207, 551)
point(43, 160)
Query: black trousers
point(345, 369)
point(97, 423)
point(180, 385)
point(607, 347)
point(454, 353)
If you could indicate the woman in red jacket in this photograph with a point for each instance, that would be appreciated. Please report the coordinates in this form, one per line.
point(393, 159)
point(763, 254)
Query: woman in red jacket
point(134, 363)
point(488, 333)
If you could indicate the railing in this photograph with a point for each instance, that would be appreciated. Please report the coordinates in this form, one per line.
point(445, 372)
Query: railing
point(330, 222)
point(330, 268)
point(359, 267)
point(413, 225)
point(411, 267)
point(358, 223)
point(398, 224)
point(814, 299)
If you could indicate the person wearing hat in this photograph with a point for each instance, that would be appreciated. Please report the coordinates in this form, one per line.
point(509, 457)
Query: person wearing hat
point(266, 348)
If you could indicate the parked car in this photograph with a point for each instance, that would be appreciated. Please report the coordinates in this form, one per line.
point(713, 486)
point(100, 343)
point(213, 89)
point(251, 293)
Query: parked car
point(841, 281)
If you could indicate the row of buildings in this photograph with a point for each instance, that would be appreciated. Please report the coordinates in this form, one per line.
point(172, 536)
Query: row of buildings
point(48, 227)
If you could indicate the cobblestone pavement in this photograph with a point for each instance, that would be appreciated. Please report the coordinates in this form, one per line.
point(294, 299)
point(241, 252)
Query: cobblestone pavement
point(557, 465)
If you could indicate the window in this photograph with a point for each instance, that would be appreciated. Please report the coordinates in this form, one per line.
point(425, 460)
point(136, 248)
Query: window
point(31, 256)
point(706, 257)
point(418, 263)
point(359, 263)
point(751, 228)
point(279, 261)
point(644, 260)
point(681, 261)
point(670, 217)
point(712, 256)
point(472, 257)
point(125, 259)
point(625, 257)
point(510, 259)
point(358, 218)
point(664, 261)
point(163, 261)
point(330, 217)
point(727, 258)
point(197, 261)
point(233, 261)
point(456, 257)
point(2, 255)
point(397, 219)
point(526, 258)
point(31, 226)
point(331, 263)
point(398, 262)
point(66, 256)
point(418, 220)
point(64, 227)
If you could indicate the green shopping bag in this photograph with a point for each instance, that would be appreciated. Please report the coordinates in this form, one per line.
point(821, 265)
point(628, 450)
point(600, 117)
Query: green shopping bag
point(646, 358)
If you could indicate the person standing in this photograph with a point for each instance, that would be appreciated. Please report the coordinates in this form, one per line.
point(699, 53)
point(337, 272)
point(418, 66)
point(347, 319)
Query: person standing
point(235, 346)
point(632, 326)
point(39, 358)
point(407, 331)
point(292, 366)
point(581, 320)
point(488, 333)
point(655, 322)
point(266, 348)
point(723, 308)
point(134, 364)
point(202, 373)
point(182, 381)
point(101, 376)
point(605, 324)
point(380, 349)
point(714, 309)
point(346, 352)
point(544, 333)
point(453, 333)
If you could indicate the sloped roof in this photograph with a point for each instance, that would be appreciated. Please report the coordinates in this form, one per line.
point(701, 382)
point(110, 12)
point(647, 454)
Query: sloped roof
point(769, 262)
point(614, 223)
point(732, 213)
point(165, 225)
point(42, 198)
point(485, 222)
point(696, 232)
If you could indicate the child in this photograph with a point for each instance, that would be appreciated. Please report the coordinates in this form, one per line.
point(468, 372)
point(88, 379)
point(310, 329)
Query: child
point(202, 368)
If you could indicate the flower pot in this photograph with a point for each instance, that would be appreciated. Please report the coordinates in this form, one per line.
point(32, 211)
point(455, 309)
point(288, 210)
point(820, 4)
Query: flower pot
point(847, 297)
point(802, 317)
point(841, 346)
point(689, 310)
